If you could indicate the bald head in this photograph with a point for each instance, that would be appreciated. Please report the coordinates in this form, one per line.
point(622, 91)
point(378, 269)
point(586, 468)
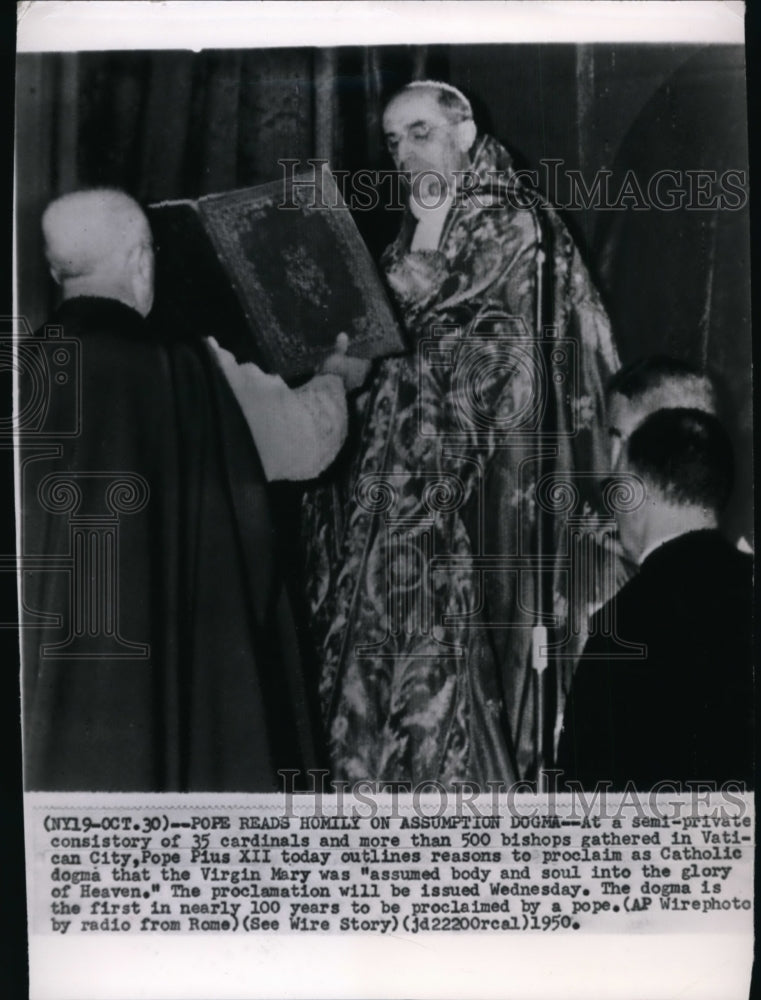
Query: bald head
point(98, 242)
point(452, 101)
point(429, 128)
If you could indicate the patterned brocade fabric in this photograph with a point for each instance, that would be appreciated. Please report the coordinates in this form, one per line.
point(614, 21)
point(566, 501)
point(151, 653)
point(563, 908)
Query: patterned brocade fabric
point(473, 481)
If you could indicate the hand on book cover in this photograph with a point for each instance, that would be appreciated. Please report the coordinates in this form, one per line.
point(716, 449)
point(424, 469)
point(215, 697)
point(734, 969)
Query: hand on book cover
point(297, 432)
point(353, 371)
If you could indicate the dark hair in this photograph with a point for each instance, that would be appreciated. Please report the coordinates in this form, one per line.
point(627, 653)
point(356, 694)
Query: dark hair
point(646, 374)
point(686, 455)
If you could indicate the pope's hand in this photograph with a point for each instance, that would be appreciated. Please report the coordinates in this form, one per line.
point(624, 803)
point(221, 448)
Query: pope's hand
point(353, 371)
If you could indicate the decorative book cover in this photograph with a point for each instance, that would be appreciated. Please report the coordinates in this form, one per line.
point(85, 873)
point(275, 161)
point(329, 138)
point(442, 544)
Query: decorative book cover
point(274, 272)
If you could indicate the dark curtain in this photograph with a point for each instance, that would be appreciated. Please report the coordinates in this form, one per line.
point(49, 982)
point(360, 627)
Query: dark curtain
point(170, 125)
point(678, 282)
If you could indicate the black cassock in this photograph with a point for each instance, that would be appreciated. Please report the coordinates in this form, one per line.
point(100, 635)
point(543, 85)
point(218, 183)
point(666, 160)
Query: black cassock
point(159, 650)
point(683, 710)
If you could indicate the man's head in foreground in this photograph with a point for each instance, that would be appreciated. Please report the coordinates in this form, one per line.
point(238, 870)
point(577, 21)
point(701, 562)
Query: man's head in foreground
point(651, 384)
point(684, 459)
point(98, 243)
point(429, 129)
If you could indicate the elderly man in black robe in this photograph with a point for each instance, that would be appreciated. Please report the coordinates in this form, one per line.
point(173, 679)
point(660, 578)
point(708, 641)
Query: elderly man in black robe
point(159, 650)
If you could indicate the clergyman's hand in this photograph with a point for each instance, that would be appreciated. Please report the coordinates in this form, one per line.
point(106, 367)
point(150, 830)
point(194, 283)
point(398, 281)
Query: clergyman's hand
point(353, 371)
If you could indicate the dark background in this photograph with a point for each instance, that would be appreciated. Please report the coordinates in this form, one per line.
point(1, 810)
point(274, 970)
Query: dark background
point(166, 125)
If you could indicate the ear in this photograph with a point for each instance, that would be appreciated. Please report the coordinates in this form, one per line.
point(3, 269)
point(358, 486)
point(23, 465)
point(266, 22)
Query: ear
point(466, 134)
point(145, 262)
point(140, 268)
point(140, 261)
point(55, 274)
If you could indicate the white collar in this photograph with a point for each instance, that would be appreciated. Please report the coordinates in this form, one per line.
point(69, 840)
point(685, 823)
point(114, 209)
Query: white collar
point(430, 225)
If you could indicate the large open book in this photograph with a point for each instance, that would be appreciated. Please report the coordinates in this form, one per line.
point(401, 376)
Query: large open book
point(274, 272)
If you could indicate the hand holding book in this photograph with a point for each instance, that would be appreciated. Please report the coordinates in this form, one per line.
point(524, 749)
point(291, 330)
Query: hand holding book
point(297, 432)
point(353, 371)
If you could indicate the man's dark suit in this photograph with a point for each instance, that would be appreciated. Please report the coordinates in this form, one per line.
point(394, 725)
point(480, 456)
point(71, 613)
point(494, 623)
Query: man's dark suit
point(210, 695)
point(685, 710)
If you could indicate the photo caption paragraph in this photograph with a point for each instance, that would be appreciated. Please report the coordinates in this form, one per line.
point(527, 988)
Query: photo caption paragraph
point(199, 864)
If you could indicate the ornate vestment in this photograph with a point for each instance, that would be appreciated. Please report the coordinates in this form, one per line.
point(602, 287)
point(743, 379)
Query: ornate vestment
point(427, 563)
